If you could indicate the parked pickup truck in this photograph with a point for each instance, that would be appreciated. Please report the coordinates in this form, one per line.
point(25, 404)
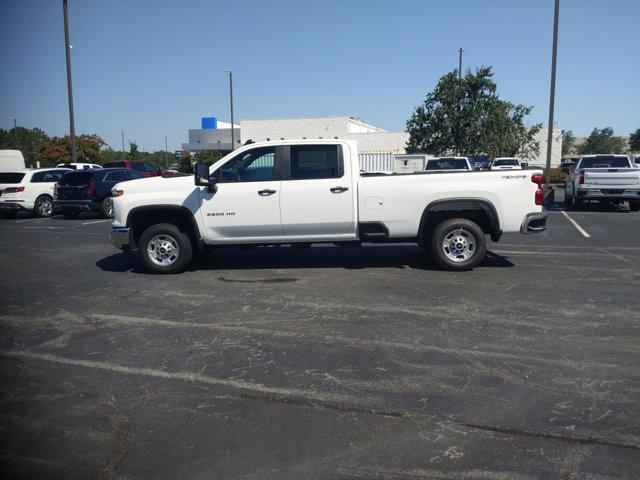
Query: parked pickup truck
point(311, 191)
point(606, 178)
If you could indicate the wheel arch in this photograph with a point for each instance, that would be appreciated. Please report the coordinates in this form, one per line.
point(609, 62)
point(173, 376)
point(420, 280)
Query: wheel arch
point(478, 210)
point(141, 218)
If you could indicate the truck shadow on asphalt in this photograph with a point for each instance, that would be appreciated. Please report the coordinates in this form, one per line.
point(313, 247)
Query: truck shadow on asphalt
point(315, 257)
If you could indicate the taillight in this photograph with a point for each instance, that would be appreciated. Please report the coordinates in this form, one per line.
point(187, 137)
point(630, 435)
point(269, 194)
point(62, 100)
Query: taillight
point(91, 189)
point(581, 177)
point(538, 179)
point(14, 189)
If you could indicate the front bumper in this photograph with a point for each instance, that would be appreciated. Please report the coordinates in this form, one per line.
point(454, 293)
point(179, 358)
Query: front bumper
point(120, 237)
point(77, 205)
point(534, 223)
point(11, 207)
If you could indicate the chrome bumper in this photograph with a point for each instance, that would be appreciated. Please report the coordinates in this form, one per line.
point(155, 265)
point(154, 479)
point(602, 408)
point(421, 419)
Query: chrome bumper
point(120, 237)
point(534, 223)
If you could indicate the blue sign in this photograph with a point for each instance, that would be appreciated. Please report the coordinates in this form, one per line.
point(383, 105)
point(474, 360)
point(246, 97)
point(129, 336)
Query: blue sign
point(209, 122)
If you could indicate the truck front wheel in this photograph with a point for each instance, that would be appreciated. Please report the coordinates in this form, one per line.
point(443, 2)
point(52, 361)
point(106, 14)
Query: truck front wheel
point(458, 244)
point(165, 249)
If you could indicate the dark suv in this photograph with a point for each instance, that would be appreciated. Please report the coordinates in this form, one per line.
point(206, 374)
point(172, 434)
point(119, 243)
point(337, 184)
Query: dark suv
point(145, 168)
point(90, 190)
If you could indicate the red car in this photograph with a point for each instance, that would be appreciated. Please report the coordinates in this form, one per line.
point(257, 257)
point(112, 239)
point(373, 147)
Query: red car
point(145, 168)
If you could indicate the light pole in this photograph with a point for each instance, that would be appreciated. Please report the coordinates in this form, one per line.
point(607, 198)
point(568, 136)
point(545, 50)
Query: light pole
point(233, 145)
point(166, 149)
point(552, 93)
point(460, 50)
point(123, 152)
point(67, 47)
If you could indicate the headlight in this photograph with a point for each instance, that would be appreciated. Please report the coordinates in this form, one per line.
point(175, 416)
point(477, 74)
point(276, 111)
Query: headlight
point(117, 193)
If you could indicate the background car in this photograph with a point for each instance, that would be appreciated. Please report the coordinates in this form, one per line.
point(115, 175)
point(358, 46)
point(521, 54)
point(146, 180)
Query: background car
point(79, 166)
point(145, 168)
point(28, 190)
point(567, 163)
point(506, 163)
point(90, 190)
point(451, 164)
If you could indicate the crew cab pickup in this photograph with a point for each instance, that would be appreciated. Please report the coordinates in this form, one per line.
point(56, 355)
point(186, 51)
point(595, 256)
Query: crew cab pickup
point(606, 178)
point(311, 191)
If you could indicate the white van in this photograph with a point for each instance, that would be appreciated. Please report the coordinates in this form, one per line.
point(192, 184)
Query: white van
point(11, 160)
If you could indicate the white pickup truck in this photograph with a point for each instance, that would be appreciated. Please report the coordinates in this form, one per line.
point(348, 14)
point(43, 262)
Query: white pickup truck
point(311, 191)
point(606, 178)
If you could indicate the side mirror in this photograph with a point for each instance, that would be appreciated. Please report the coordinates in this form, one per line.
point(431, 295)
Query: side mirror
point(202, 177)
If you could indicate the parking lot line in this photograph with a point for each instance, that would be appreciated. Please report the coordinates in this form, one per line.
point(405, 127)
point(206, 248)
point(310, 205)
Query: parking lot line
point(575, 224)
point(96, 221)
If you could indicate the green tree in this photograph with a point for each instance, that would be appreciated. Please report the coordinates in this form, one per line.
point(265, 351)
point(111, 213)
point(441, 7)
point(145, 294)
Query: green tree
point(568, 142)
point(466, 116)
point(27, 140)
point(133, 154)
point(207, 156)
point(184, 163)
point(634, 141)
point(603, 141)
point(58, 150)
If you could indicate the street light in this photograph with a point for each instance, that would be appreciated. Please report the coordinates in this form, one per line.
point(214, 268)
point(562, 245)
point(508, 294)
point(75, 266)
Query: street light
point(552, 93)
point(233, 145)
point(67, 47)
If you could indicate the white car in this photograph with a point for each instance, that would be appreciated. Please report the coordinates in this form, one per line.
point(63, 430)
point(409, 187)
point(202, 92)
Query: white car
point(310, 191)
point(79, 166)
point(506, 163)
point(448, 164)
point(28, 190)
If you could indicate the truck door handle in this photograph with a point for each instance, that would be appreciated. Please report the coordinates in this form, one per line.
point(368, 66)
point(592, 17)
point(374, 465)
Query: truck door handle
point(266, 192)
point(339, 189)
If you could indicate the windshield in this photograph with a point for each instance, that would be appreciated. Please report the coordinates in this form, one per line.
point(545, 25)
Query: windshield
point(513, 163)
point(604, 161)
point(11, 177)
point(76, 179)
point(447, 164)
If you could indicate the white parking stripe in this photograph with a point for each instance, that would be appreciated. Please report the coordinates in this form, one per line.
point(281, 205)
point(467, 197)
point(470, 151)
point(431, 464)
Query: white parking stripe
point(575, 224)
point(95, 221)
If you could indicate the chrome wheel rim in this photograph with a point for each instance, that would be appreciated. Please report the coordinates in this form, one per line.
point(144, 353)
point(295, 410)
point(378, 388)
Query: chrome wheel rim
point(109, 208)
point(45, 207)
point(459, 245)
point(163, 250)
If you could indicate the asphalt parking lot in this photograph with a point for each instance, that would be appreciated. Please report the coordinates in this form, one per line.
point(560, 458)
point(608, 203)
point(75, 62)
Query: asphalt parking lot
point(326, 362)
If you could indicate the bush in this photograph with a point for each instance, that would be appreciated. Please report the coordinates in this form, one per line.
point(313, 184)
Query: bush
point(557, 176)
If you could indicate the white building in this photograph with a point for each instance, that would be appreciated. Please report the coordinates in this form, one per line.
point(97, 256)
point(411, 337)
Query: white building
point(539, 158)
point(217, 136)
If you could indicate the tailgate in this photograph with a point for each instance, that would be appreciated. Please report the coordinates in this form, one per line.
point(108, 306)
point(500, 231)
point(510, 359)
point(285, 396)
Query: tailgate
point(71, 193)
point(629, 178)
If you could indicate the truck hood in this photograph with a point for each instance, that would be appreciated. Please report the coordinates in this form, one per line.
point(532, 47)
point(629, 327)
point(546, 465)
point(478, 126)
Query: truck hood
point(156, 184)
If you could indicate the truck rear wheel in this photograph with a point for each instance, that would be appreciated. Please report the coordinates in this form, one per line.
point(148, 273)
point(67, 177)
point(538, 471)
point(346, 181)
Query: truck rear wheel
point(458, 244)
point(165, 249)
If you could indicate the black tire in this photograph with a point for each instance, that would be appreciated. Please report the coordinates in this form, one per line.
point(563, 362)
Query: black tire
point(575, 203)
point(106, 207)
point(167, 236)
point(470, 235)
point(43, 206)
point(634, 205)
point(70, 214)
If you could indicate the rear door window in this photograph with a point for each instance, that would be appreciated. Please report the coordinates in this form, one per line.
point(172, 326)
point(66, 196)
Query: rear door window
point(309, 162)
point(447, 164)
point(117, 176)
point(11, 177)
point(48, 176)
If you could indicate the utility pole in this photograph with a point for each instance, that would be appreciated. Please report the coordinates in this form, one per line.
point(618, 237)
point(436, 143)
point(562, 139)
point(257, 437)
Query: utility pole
point(123, 151)
point(15, 124)
point(166, 149)
point(552, 93)
point(233, 145)
point(460, 50)
point(67, 47)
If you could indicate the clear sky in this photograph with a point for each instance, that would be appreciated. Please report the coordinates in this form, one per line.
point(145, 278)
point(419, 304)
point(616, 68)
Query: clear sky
point(154, 67)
